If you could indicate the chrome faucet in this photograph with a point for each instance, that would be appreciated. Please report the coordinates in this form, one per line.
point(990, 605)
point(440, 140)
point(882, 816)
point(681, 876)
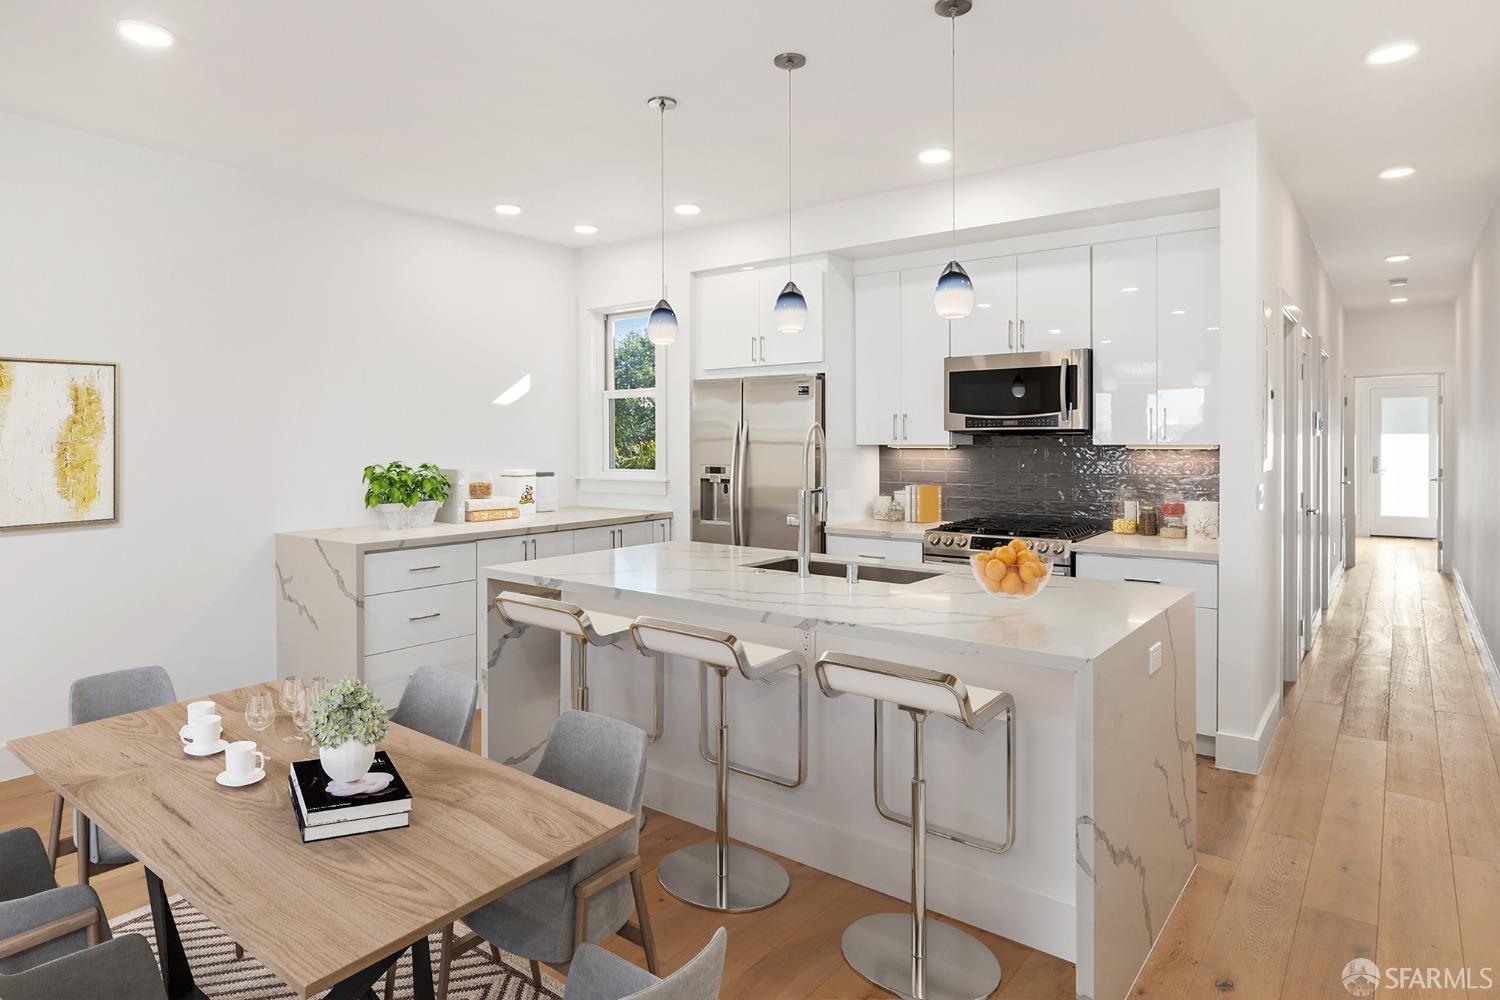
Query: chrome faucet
point(804, 518)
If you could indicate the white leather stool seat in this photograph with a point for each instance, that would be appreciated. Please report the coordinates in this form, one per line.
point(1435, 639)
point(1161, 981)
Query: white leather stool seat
point(598, 627)
point(718, 649)
point(909, 687)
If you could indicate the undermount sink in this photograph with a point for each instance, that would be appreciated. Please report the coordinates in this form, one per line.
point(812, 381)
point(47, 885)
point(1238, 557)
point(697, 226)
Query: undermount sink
point(840, 570)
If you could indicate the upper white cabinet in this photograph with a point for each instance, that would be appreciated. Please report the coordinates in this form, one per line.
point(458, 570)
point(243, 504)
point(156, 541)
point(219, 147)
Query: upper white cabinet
point(1052, 300)
point(734, 322)
point(1124, 341)
point(1187, 337)
point(991, 327)
point(1156, 340)
point(898, 360)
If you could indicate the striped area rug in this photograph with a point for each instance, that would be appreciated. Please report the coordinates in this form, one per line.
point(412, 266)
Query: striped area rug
point(210, 953)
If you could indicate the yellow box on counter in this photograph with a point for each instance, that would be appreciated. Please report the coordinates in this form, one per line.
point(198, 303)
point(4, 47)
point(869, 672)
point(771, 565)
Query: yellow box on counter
point(929, 502)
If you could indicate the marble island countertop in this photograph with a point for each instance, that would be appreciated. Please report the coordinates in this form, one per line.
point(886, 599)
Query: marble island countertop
point(1068, 625)
point(374, 538)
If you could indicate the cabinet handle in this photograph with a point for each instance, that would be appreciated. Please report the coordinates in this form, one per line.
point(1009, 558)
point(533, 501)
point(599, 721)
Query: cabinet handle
point(894, 435)
point(1010, 334)
point(419, 569)
point(867, 555)
point(752, 350)
point(905, 417)
point(1164, 422)
point(1134, 579)
point(762, 350)
point(1023, 335)
point(423, 618)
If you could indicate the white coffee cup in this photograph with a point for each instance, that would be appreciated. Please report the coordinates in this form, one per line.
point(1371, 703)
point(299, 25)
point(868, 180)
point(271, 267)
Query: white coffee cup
point(198, 709)
point(242, 760)
point(203, 732)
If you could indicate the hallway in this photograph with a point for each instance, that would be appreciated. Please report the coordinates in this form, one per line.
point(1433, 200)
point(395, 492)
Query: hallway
point(1374, 827)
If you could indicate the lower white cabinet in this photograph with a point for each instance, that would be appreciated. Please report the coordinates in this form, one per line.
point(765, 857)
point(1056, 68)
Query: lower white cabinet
point(387, 673)
point(896, 550)
point(1202, 578)
point(414, 617)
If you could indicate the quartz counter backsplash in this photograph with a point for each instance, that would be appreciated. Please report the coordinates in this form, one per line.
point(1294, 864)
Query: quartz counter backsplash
point(1068, 476)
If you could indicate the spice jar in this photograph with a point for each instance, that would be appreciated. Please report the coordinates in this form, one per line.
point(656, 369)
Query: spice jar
point(1126, 518)
point(1173, 518)
point(481, 487)
point(1149, 523)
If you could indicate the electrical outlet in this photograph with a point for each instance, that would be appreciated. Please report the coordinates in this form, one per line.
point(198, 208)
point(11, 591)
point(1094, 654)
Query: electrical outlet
point(1153, 659)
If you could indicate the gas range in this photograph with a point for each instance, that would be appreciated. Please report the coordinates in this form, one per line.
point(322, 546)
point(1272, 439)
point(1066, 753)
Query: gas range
point(1052, 536)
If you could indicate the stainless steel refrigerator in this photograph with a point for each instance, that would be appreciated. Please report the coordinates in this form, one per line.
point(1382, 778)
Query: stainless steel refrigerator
point(748, 436)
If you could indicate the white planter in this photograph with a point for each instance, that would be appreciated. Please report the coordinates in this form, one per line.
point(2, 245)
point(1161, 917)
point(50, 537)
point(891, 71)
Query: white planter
point(395, 516)
point(349, 761)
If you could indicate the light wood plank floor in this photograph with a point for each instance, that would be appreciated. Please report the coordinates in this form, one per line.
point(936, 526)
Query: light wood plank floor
point(1373, 830)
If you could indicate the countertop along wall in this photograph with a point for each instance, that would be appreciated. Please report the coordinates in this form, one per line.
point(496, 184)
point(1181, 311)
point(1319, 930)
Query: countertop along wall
point(272, 340)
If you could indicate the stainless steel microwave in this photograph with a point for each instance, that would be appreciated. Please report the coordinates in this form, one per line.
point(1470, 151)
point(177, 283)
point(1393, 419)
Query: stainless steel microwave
point(1038, 393)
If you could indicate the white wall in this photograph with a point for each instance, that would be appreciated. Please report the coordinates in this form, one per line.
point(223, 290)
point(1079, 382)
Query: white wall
point(1476, 544)
point(1410, 340)
point(272, 340)
point(1252, 209)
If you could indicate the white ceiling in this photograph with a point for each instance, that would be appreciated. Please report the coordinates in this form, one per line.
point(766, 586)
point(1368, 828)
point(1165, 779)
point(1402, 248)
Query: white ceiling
point(449, 108)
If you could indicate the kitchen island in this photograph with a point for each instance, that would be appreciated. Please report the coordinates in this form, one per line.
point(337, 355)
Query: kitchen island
point(1102, 676)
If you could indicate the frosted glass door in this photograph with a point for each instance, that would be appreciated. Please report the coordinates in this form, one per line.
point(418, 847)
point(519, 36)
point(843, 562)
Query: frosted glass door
point(1402, 479)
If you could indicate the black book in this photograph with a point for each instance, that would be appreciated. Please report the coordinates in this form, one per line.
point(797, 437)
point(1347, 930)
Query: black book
point(345, 828)
point(316, 807)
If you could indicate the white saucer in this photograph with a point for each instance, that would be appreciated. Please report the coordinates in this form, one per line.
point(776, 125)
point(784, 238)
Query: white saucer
point(224, 779)
point(213, 748)
point(371, 782)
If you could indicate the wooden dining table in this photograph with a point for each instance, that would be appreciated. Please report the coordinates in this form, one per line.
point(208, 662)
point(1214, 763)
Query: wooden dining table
point(334, 914)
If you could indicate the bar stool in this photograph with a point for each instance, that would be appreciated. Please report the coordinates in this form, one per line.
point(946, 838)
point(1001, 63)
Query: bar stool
point(718, 875)
point(902, 952)
point(586, 628)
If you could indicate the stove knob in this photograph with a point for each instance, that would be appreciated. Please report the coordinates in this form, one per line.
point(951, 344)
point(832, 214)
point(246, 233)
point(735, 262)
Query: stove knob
point(948, 540)
point(1057, 548)
point(963, 541)
point(932, 539)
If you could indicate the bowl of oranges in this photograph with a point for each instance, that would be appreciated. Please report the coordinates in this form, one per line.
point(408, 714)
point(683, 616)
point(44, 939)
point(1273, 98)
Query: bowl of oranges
point(1011, 571)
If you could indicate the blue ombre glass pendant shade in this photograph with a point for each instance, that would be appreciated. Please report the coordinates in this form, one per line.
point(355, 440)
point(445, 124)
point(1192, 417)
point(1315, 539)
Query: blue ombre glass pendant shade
point(954, 297)
point(791, 309)
point(662, 327)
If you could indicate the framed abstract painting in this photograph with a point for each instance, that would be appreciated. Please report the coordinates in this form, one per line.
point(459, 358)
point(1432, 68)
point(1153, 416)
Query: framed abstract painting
point(58, 443)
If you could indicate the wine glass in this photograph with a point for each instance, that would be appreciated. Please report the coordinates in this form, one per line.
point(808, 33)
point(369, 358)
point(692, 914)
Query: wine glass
point(260, 711)
point(300, 711)
point(291, 692)
point(315, 690)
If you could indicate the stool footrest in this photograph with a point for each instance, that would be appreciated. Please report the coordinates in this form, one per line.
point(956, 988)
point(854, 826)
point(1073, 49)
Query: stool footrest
point(754, 772)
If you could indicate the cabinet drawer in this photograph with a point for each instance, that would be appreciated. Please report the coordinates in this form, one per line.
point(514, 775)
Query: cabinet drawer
point(405, 569)
point(889, 549)
point(413, 617)
point(388, 672)
point(1201, 578)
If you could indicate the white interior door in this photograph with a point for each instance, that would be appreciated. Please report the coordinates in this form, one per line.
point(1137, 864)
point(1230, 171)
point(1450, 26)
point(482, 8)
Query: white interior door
point(1402, 426)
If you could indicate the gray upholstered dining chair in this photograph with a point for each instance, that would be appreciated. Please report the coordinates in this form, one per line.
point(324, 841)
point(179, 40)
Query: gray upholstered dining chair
point(40, 920)
point(589, 899)
point(601, 975)
point(121, 969)
point(439, 703)
point(103, 696)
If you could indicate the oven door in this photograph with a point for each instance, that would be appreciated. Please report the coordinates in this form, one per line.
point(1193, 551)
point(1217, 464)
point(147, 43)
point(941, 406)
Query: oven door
point(1018, 393)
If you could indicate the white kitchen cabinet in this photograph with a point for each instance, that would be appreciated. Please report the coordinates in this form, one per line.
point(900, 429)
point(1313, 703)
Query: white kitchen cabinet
point(896, 550)
point(614, 536)
point(924, 347)
point(1206, 679)
point(877, 358)
point(1052, 300)
point(521, 548)
point(775, 347)
point(726, 318)
point(661, 530)
point(991, 327)
point(1125, 341)
point(1187, 338)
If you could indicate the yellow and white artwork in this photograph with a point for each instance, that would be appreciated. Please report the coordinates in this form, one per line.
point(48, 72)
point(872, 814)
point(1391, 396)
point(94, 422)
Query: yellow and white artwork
point(57, 443)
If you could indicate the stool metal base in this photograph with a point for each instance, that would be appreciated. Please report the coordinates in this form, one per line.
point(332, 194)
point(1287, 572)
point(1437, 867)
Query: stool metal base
point(959, 966)
point(755, 880)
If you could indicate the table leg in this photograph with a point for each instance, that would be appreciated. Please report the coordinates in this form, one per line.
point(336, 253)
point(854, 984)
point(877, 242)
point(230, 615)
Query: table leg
point(361, 984)
point(176, 975)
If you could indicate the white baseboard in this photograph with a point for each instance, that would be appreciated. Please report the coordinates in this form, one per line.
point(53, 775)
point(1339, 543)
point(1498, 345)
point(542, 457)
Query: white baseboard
point(1486, 656)
point(1036, 920)
point(1234, 752)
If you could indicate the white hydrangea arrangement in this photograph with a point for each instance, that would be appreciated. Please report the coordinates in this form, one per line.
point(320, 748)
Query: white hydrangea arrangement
point(348, 710)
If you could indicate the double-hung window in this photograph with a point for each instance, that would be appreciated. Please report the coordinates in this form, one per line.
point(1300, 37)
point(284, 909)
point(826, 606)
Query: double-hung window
point(632, 412)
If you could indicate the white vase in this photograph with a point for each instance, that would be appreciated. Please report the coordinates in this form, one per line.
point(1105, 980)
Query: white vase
point(395, 516)
point(349, 761)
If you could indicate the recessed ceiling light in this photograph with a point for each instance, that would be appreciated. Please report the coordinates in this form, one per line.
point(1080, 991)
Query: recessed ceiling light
point(1179, 312)
point(1398, 258)
point(748, 267)
point(934, 156)
point(1130, 288)
point(687, 208)
point(584, 229)
point(1106, 341)
point(1212, 329)
point(984, 305)
point(1398, 300)
point(1055, 332)
point(1397, 172)
point(152, 36)
point(1397, 282)
point(1392, 52)
point(508, 209)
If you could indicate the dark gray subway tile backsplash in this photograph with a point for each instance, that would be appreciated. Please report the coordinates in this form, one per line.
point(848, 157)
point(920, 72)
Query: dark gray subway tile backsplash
point(1069, 476)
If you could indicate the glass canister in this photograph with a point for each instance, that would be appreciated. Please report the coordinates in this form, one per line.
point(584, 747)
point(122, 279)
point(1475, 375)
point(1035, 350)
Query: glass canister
point(1173, 517)
point(481, 486)
point(1149, 523)
point(1127, 517)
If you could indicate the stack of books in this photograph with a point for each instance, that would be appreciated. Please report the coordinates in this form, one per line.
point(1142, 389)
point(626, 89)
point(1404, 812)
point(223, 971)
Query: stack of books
point(326, 809)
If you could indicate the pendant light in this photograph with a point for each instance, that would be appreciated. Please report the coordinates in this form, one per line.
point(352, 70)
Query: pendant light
point(791, 307)
point(954, 296)
point(662, 327)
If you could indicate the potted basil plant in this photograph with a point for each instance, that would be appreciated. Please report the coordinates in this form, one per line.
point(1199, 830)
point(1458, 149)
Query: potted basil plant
point(347, 722)
point(404, 497)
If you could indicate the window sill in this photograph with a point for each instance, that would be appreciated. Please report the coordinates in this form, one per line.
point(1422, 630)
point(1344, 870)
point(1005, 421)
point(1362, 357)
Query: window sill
point(634, 485)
